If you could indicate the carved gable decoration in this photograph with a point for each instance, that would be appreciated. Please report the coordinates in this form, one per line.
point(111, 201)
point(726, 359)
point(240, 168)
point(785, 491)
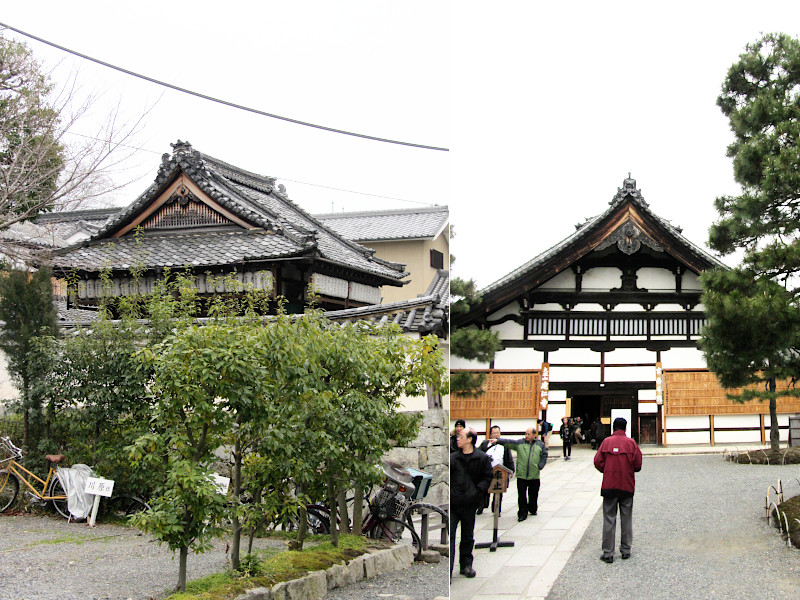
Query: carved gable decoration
point(183, 206)
point(629, 239)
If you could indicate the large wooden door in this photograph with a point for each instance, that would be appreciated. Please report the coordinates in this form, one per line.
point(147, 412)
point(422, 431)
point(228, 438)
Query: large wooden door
point(647, 429)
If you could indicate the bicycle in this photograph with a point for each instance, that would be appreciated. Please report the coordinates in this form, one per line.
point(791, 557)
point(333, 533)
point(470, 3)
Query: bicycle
point(13, 473)
point(387, 509)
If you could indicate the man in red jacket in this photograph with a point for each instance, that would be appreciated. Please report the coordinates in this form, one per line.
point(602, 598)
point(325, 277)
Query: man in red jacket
point(618, 458)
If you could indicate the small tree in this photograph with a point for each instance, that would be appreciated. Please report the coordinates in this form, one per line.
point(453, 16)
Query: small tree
point(753, 310)
point(27, 310)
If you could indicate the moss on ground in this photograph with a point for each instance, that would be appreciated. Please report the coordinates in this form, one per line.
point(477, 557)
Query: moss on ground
point(791, 508)
point(271, 566)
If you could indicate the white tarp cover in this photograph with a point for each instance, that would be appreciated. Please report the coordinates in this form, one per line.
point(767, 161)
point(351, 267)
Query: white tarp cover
point(73, 480)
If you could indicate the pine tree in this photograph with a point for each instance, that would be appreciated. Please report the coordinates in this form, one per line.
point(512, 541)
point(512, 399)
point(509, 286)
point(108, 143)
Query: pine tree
point(27, 312)
point(753, 310)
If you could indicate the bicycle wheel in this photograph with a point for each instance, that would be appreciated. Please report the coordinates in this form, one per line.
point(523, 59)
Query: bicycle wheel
point(318, 522)
point(121, 507)
point(416, 509)
point(59, 495)
point(9, 488)
point(394, 530)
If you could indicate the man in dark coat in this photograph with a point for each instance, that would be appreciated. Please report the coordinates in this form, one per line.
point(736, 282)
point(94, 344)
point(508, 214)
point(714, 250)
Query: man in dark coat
point(458, 427)
point(499, 455)
point(598, 433)
point(470, 478)
point(618, 458)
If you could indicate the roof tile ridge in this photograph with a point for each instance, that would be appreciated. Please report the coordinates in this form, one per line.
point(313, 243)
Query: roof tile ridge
point(385, 212)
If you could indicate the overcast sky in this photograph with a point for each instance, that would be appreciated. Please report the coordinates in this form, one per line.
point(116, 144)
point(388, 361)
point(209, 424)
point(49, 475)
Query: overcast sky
point(376, 68)
point(556, 102)
point(546, 107)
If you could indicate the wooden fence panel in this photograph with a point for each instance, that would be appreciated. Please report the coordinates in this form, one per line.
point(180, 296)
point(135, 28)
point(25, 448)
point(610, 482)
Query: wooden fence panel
point(508, 395)
point(698, 392)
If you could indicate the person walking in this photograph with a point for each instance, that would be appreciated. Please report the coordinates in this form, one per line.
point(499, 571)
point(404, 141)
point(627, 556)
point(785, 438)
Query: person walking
point(545, 427)
point(531, 459)
point(598, 433)
point(565, 431)
point(470, 478)
point(499, 455)
point(618, 459)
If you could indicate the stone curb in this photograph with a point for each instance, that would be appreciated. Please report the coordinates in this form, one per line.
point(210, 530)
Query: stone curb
point(315, 585)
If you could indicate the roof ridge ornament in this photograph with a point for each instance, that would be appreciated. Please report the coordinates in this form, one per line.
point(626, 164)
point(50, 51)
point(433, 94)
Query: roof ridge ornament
point(628, 190)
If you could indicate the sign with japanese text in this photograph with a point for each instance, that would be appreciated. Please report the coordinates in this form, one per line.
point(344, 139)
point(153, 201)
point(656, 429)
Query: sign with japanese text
point(545, 387)
point(659, 384)
point(99, 487)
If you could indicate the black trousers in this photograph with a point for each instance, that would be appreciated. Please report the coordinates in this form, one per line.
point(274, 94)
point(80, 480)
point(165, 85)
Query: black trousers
point(465, 516)
point(566, 448)
point(528, 492)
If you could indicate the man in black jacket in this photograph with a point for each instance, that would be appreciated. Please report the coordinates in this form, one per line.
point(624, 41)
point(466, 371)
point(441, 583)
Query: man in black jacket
point(499, 455)
point(470, 478)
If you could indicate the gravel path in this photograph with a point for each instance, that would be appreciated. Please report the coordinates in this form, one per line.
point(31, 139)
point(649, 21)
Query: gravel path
point(698, 532)
point(46, 558)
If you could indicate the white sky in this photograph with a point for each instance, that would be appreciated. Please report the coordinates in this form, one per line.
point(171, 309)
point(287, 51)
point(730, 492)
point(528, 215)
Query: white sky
point(546, 106)
point(376, 68)
point(557, 102)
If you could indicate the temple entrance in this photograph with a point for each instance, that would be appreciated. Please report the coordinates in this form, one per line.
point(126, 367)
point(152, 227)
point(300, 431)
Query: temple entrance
point(589, 406)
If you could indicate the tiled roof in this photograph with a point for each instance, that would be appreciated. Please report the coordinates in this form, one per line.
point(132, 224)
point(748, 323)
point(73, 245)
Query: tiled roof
point(196, 249)
point(253, 198)
point(440, 286)
point(384, 225)
point(627, 192)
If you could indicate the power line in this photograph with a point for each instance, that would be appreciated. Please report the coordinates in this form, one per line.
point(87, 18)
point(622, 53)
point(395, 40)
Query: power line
point(327, 187)
point(217, 100)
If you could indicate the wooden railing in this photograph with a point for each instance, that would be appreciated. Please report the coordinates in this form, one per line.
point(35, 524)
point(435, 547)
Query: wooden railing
point(608, 325)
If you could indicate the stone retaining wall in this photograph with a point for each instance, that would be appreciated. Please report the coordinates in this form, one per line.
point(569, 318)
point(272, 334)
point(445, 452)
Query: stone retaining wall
point(430, 452)
point(315, 585)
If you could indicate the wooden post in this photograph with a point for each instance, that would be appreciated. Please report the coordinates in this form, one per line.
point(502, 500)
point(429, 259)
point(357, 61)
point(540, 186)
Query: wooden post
point(499, 485)
point(763, 437)
point(711, 427)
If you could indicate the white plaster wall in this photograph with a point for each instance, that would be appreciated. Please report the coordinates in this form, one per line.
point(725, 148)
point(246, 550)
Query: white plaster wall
point(574, 355)
point(687, 422)
point(456, 362)
point(628, 308)
point(690, 282)
point(514, 428)
point(630, 374)
point(565, 374)
point(563, 281)
point(510, 330)
point(647, 408)
point(518, 358)
point(601, 278)
point(668, 308)
point(683, 358)
point(551, 306)
point(654, 279)
point(646, 394)
point(8, 391)
point(631, 355)
point(736, 437)
point(588, 307)
point(508, 309)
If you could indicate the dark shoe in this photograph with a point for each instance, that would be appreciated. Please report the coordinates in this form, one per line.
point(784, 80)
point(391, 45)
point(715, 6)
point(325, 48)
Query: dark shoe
point(522, 518)
point(607, 559)
point(468, 572)
point(533, 512)
point(626, 556)
point(480, 511)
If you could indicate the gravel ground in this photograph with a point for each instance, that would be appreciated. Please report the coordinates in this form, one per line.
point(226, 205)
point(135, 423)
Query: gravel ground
point(46, 558)
point(421, 581)
point(698, 532)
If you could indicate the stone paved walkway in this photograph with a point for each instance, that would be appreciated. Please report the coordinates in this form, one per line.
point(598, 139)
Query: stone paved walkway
point(684, 545)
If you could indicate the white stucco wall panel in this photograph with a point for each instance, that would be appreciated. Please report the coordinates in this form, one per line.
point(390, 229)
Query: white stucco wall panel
point(601, 279)
point(575, 355)
point(683, 358)
point(510, 330)
point(456, 362)
point(690, 282)
point(631, 355)
point(647, 408)
point(508, 309)
point(668, 308)
point(737, 437)
point(628, 307)
point(550, 306)
point(565, 374)
point(518, 358)
point(588, 307)
point(646, 395)
point(653, 279)
point(563, 281)
point(680, 437)
point(630, 374)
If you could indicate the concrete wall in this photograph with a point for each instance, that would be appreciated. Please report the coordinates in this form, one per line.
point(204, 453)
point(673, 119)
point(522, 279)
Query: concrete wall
point(430, 452)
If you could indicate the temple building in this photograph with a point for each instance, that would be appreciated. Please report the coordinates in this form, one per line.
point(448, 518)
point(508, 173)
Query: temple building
point(216, 219)
point(606, 324)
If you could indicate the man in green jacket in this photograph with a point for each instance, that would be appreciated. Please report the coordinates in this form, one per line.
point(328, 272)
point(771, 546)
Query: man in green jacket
point(531, 458)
